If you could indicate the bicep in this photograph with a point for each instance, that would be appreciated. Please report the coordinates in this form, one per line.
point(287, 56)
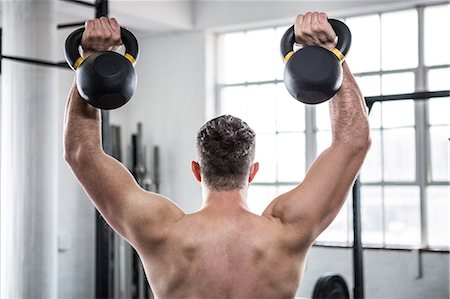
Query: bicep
point(117, 196)
point(317, 200)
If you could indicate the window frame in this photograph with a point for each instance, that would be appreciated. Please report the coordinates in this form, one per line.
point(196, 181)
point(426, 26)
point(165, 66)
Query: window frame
point(423, 178)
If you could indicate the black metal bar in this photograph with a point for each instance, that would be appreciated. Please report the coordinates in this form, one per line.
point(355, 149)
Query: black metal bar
point(70, 25)
point(358, 271)
point(80, 2)
point(156, 173)
point(37, 61)
point(407, 96)
point(104, 264)
point(102, 250)
point(104, 243)
point(101, 8)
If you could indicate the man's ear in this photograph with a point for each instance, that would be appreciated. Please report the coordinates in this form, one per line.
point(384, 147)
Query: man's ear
point(195, 167)
point(253, 170)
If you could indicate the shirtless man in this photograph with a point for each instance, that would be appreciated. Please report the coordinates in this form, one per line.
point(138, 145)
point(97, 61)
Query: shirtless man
point(222, 250)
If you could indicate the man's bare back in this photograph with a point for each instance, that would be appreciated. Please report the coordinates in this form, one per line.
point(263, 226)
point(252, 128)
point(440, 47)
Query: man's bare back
point(223, 250)
point(211, 254)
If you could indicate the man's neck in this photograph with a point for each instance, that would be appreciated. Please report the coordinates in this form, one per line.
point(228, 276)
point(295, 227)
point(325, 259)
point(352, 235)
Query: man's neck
point(232, 200)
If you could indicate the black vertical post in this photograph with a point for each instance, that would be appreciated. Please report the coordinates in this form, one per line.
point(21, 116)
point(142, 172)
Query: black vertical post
point(358, 271)
point(101, 8)
point(104, 244)
point(156, 176)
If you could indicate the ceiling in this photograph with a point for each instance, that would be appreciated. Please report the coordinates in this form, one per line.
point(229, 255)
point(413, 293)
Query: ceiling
point(163, 16)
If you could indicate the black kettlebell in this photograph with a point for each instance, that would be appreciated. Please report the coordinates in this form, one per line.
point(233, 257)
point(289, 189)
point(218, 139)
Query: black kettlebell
point(106, 80)
point(313, 74)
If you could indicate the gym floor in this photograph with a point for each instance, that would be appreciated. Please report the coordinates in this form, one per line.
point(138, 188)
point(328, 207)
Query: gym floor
point(199, 59)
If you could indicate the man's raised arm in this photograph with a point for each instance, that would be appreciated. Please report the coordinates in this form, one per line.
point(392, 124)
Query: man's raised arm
point(130, 210)
point(312, 206)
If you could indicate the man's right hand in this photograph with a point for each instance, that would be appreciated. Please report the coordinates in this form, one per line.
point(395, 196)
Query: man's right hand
point(100, 35)
point(313, 29)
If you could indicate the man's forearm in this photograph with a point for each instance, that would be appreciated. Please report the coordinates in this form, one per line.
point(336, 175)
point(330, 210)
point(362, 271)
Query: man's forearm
point(82, 128)
point(348, 113)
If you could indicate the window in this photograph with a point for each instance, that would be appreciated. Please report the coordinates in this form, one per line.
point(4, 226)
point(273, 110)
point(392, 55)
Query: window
point(403, 203)
point(251, 88)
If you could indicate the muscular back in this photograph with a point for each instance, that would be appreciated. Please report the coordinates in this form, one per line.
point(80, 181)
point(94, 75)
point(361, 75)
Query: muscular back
point(240, 255)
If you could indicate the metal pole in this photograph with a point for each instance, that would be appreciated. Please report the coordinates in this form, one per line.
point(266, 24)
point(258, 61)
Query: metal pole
point(104, 244)
point(69, 25)
point(36, 61)
point(101, 8)
point(80, 2)
point(358, 271)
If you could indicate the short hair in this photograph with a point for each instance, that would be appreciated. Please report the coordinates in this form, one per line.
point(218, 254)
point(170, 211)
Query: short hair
point(226, 149)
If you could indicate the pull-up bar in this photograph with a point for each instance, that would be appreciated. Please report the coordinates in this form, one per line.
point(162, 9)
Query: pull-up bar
point(101, 9)
point(422, 95)
point(358, 272)
point(82, 3)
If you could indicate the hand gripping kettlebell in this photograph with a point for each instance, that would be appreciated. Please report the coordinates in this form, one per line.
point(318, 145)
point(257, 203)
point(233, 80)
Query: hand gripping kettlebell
point(107, 79)
point(313, 74)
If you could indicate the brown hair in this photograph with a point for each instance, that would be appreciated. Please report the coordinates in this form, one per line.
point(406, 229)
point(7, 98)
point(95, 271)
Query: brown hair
point(226, 148)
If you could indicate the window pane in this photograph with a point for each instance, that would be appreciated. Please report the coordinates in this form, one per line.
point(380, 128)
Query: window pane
point(291, 157)
point(399, 39)
point(266, 155)
point(369, 85)
point(259, 197)
point(338, 229)
point(398, 114)
point(438, 216)
point(234, 101)
point(399, 155)
point(397, 83)
point(323, 141)
point(365, 52)
point(439, 79)
point(371, 170)
point(372, 215)
point(375, 116)
point(290, 112)
point(436, 47)
point(262, 102)
point(438, 111)
point(233, 61)
point(439, 152)
point(402, 210)
point(261, 60)
point(349, 204)
point(323, 121)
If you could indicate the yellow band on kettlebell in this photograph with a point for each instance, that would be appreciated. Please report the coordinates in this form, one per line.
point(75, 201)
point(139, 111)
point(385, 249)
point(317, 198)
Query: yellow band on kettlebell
point(338, 54)
point(130, 58)
point(288, 55)
point(78, 62)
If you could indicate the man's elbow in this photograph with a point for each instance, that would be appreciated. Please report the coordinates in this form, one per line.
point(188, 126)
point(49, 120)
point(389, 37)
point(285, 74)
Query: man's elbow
point(358, 143)
point(72, 155)
point(363, 142)
point(77, 156)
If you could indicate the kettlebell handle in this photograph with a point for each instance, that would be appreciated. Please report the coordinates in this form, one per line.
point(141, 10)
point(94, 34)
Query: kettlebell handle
point(343, 45)
point(73, 41)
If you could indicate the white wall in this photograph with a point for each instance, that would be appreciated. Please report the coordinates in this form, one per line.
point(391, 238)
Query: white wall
point(228, 15)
